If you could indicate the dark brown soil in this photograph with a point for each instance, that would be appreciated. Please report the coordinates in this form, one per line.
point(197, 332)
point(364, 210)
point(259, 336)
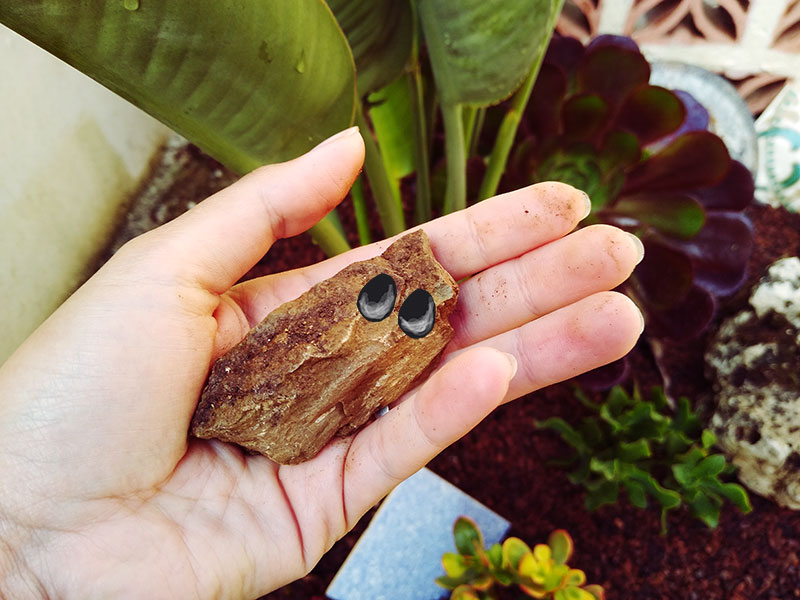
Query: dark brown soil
point(503, 463)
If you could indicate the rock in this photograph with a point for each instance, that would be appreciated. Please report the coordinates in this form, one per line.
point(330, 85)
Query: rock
point(316, 367)
point(754, 360)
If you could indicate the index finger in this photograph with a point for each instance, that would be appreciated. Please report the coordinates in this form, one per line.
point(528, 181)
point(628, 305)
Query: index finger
point(465, 242)
point(487, 233)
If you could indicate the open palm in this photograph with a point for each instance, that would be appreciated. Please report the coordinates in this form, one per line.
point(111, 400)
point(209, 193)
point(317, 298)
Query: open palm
point(102, 494)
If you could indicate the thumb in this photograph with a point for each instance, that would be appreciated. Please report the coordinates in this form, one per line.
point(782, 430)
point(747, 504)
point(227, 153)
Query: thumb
point(220, 239)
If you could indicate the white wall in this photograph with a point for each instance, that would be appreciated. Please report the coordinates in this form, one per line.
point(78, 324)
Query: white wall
point(71, 153)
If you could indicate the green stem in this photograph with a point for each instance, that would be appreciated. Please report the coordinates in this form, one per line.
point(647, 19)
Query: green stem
point(472, 148)
point(360, 209)
point(508, 130)
point(390, 210)
point(455, 196)
point(470, 115)
point(328, 236)
point(422, 208)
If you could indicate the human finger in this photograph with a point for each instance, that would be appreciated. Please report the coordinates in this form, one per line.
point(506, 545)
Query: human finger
point(464, 242)
point(590, 260)
point(584, 335)
point(449, 404)
point(220, 239)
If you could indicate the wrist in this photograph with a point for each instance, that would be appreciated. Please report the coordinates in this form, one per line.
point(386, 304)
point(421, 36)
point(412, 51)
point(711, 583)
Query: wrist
point(17, 578)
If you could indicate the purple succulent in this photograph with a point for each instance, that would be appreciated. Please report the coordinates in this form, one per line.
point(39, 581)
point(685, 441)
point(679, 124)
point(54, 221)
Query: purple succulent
point(646, 159)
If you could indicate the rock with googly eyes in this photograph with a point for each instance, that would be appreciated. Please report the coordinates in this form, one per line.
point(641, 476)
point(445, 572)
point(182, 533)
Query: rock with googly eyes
point(321, 365)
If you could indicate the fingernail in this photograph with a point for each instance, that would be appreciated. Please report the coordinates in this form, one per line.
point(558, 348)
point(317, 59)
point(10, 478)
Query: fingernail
point(513, 360)
point(338, 136)
point(588, 202)
point(639, 247)
point(641, 318)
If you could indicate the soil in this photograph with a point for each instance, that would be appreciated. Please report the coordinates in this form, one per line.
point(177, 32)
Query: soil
point(503, 463)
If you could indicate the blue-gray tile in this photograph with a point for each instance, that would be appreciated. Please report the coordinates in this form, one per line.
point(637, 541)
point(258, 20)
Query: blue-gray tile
point(399, 555)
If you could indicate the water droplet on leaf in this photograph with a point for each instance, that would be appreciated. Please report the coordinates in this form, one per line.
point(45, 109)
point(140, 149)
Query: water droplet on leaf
point(131, 4)
point(300, 67)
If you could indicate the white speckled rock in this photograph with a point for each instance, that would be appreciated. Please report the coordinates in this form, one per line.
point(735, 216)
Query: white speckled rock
point(754, 361)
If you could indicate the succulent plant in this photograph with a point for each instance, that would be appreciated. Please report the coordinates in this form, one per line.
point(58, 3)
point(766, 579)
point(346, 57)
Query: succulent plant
point(645, 157)
point(635, 445)
point(542, 572)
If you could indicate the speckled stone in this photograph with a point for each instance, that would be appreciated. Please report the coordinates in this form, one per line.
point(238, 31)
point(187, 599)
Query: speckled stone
point(754, 361)
point(399, 555)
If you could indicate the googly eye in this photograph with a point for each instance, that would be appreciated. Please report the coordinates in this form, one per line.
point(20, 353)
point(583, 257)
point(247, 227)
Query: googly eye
point(376, 299)
point(417, 314)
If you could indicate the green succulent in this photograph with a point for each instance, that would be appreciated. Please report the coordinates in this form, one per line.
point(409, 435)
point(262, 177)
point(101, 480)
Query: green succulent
point(473, 572)
point(635, 445)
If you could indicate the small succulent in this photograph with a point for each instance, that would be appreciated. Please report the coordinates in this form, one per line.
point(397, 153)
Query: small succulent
point(635, 445)
point(542, 572)
point(645, 157)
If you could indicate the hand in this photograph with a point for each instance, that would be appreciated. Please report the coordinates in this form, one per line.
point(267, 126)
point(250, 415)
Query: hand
point(101, 493)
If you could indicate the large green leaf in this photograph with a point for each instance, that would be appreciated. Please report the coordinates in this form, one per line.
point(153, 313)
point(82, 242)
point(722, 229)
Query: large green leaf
point(482, 50)
point(380, 33)
point(249, 82)
point(392, 119)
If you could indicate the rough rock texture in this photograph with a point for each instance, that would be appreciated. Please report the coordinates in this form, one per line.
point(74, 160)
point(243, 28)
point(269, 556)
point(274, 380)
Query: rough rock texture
point(315, 367)
point(755, 362)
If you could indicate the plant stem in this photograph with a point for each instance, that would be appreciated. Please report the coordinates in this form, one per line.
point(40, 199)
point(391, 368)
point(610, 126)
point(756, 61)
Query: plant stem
point(390, 210)
point(472, 148)
point(328, 236)
point(422, 208)
point(508, 130)
point(455, 197)
point(469, 116)
point(360, 209)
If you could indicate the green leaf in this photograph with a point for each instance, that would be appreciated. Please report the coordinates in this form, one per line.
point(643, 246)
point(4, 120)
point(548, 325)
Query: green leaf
point(609, 469)
point(734, 493)
point(667, 498)
point(250, 83)
point(575, 577)
point(706, 509)
point(513, 551)
point(482, 50)
point(708, 438)
point(606, 493)
point(561, 546)
point(565, 430)
point(591, 432)
point(633, 451)
point(454, 565)
point(595, 590)
point(686, 420)
point(495, 556)
point(392, 121)
point(672, 213)
point(380, 33)
point(464, 592)
point(618, 400)
point(467, 536)
point(636, 493)
point(710, 466)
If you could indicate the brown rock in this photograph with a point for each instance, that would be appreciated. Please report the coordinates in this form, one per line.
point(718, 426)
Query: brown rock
point(315, 367)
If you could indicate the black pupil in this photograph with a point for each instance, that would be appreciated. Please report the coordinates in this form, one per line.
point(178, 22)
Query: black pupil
point(376, 300)
point(417, 314)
